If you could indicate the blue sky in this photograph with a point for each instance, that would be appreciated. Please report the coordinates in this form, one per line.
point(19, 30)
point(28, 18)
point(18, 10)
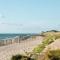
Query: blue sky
point(29, 16)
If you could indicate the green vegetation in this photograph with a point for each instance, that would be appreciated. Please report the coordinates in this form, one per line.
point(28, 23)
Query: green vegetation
point(49, 37)
point(53, 31)
point(16, 57)
point(47, 40)
point(53, 55)
point(39, 48)
point(21, 57)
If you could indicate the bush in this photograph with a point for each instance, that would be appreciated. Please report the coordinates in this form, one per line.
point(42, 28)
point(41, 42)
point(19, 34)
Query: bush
point(16, 57)
point(20, 57)
point(53, 31)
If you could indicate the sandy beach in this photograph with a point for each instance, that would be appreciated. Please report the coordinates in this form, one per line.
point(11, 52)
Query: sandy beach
point(6, 52)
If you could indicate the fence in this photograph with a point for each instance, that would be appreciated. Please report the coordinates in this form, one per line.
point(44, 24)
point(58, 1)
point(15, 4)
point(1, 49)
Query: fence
point(16, 39)
point(10, 41)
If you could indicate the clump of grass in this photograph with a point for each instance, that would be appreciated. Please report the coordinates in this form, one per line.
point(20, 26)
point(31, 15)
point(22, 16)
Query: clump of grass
point(53, 55)
point(39, 48)
point(16, 57)
point(48, 40)
point(21, 57)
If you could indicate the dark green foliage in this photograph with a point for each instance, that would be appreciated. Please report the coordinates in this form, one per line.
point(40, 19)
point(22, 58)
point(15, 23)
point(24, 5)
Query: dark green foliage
point(16, 57)
point(20, 57)
point(53, 31)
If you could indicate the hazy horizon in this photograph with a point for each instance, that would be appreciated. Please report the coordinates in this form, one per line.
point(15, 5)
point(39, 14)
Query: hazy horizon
point(29, 16)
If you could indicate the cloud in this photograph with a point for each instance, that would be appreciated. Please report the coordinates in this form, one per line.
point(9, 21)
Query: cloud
point(12, 24)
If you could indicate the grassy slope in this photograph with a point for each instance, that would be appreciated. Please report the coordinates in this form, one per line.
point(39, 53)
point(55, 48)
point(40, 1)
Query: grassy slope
point(49, 37)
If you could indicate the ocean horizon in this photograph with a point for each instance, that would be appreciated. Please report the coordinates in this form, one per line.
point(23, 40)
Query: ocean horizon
point(12, 35)
point(6, 36)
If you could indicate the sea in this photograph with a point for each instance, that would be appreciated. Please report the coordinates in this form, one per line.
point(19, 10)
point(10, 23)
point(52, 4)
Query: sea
point(24, 36)
point(6, 36)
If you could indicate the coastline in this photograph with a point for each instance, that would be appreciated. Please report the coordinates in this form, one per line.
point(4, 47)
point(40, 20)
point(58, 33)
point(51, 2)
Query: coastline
point(19, 48)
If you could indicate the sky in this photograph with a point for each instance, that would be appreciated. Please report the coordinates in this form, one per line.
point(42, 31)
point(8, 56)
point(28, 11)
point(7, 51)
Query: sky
point(29, 16)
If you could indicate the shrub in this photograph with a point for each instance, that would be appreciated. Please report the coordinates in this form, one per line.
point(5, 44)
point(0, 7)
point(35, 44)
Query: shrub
point(54, 55)
point(20, 57)
point(53, 31)
point(16, 57)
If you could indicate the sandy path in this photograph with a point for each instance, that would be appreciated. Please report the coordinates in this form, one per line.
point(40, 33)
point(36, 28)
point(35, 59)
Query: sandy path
point(6, 52)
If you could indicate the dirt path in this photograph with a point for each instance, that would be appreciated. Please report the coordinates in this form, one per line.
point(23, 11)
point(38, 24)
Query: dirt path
point(6, 52)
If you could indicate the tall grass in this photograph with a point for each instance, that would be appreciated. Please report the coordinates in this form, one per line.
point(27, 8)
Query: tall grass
point(47, 40)
point(53, 55)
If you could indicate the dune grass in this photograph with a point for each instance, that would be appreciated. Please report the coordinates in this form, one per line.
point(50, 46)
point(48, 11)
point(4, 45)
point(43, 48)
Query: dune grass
point(53, 55)
point(48, 40)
